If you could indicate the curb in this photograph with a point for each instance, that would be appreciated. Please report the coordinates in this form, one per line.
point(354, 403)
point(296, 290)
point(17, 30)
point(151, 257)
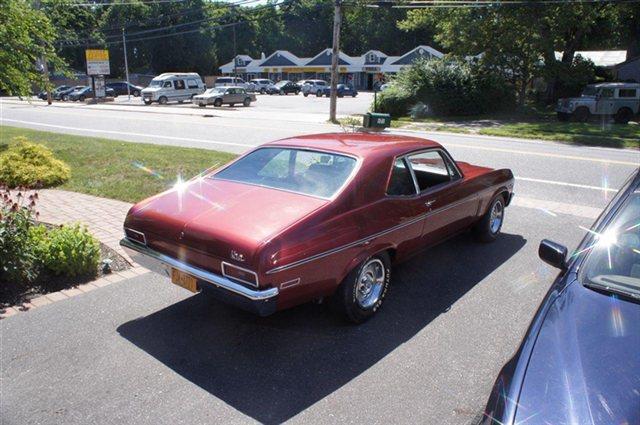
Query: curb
point(64, 294)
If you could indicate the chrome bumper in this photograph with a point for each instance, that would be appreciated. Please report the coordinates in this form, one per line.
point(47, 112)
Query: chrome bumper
point(262, 302)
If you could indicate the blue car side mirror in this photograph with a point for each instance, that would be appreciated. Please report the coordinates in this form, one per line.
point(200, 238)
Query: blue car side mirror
point(553, 254)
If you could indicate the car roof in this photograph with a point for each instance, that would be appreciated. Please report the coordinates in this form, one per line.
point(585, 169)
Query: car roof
point(358, 144)
point(614, 85)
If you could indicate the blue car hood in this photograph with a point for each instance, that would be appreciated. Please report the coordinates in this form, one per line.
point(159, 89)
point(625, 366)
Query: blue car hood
point(585, 365)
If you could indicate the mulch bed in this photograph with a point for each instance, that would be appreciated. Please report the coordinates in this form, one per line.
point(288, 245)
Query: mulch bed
point(11, 295)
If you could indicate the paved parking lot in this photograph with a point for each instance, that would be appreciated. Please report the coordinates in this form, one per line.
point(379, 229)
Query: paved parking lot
point(289, 104)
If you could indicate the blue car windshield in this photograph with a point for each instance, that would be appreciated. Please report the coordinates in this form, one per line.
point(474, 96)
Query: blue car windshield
point(613, 259)
point(308, 172)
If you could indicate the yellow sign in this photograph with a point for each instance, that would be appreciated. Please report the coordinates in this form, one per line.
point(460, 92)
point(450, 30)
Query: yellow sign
point(94, 55)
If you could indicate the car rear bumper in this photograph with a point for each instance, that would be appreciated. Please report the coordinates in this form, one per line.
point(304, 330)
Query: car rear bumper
point(258, 301)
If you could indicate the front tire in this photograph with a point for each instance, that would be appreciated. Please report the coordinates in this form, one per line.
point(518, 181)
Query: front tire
point(362, 292)
point(319, 93)
point(162, 100)
point(136, 93)
point(581, 114)
point(489, 226)
point(217, 103)
point(148, 102)
point(563, 117)
point(305, 94)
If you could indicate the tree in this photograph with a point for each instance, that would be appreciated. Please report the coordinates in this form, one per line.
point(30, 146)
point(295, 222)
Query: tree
point(26, 36)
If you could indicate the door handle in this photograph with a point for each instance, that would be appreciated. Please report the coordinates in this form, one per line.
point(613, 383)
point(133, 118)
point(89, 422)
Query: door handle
point(429, 203)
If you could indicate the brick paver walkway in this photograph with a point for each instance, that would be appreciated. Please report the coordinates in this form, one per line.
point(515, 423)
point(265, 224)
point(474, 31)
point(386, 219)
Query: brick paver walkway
point(104, 217)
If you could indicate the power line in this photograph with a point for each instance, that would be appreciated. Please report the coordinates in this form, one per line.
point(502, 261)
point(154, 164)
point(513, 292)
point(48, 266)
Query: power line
point(75, 42)
point(220, 26)
point(124, 3)
point(448, 4)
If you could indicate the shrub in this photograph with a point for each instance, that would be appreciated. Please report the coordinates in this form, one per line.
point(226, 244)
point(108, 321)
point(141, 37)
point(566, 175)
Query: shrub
point(17, 259)
point(70, 250)
point(28, 164)
point(395, 101)
point(448, 87)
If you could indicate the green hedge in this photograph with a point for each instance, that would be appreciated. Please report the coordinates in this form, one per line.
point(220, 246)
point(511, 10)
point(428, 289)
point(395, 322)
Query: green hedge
point(446, 87)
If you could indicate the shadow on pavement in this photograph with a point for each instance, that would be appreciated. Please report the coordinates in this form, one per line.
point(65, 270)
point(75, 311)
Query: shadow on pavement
point(273, 368)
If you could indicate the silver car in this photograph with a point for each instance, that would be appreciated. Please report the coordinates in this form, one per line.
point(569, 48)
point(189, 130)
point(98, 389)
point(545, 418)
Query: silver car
point(219, 96)
point(620, 100)
point(259, 85)
point(313, 87)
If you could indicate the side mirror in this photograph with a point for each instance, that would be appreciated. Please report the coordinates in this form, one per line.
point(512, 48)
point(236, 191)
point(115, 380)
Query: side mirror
point(553, 254)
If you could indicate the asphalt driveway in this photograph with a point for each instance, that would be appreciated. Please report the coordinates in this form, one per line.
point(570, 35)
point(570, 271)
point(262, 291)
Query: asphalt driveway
point(146, 352)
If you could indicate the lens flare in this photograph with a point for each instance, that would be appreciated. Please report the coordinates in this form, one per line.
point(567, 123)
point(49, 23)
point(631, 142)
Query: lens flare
point(617, 321)
point(140, 166)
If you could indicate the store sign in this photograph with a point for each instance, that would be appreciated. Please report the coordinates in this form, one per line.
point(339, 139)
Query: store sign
point(371, 68)
point(97, 62)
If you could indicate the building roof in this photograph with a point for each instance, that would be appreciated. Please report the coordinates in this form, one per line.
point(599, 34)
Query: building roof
point(604, 58)
point(286, 59)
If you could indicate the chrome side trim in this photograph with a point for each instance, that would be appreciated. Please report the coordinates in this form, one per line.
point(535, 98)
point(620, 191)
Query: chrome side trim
point(363, 240)
point(224, 263)
point(215, 279)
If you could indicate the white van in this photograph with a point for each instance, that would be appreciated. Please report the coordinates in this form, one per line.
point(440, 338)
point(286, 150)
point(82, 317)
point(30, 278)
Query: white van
point(229, 82)
point(173, 86)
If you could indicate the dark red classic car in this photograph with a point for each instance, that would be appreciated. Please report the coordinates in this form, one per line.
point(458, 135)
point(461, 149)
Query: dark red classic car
point(318, 216)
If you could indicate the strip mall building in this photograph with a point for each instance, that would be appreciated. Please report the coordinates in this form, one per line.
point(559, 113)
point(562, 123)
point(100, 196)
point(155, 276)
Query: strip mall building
point(360, 71)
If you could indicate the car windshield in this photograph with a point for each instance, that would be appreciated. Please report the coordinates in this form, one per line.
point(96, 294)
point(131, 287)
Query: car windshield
point(308, 172)
point(215, 90)
point(613, 263)
point(155, 83)
point(281, 83)
point(589, 91)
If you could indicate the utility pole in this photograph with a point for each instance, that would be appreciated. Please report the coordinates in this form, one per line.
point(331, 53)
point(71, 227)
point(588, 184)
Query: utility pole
point(337, 19)
point(235, 53)
point(45, 65)
point(126, 64)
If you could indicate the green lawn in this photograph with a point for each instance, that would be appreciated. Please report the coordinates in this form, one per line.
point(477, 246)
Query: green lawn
point(611, 135)
point(119, 170)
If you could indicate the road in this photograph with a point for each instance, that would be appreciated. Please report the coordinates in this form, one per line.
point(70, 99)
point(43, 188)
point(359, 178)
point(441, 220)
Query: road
point(143, 351)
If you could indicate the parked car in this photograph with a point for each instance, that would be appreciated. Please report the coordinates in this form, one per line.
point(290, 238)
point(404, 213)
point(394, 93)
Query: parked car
point(230, 82)
point(313, 87)
point(43, 94)
point(579, 362)
point(86, 92)
point(64, 94)
point(620, 100)
point(120, 88)
point(315, 216)
point(219, 96)
point(342, 90)
point(284, 87)
point(259, 85)
point(173, 87)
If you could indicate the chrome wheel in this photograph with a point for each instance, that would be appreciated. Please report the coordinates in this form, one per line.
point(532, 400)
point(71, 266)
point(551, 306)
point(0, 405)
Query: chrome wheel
point(370, 283)
point(497, 214)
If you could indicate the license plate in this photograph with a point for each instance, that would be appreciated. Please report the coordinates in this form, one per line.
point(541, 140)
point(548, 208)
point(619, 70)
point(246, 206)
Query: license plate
point(184, 280)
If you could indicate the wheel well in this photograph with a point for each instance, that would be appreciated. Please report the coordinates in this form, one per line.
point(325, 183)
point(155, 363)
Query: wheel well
point(392, 254)
point(505, 195)
point(625, 108)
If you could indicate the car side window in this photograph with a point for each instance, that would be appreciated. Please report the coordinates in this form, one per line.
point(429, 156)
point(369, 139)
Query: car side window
point(167, 84)
point(606, 93)
point(192, 84)
point(431, 169)
point(401, 182)
point(231, 91)
point(179, 84)
point(627, 93)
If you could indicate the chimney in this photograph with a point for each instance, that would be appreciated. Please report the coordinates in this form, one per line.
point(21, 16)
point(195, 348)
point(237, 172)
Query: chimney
point(262, 56)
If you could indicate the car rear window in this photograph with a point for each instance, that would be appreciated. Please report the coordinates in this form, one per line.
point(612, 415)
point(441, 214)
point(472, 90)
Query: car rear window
point(309, 172)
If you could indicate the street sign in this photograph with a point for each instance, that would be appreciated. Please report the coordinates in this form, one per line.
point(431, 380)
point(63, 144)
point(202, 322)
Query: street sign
point(97, 62)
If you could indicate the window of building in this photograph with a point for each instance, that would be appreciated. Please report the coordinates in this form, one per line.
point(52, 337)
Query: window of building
point(401, 182)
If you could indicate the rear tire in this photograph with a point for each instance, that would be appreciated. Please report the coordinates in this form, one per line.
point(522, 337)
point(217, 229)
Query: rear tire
point(262, 91)
point(362, 292)
point(246, 102)
point(202, 105)
point(563, 117)
point(623, 116)
point(305, 94)
point(319, 93)
point(136, 93)
point(581, 114)
point(488, 228)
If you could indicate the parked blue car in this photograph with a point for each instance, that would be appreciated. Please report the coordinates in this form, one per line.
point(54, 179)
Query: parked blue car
point(579, 362)
point(343, 90)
